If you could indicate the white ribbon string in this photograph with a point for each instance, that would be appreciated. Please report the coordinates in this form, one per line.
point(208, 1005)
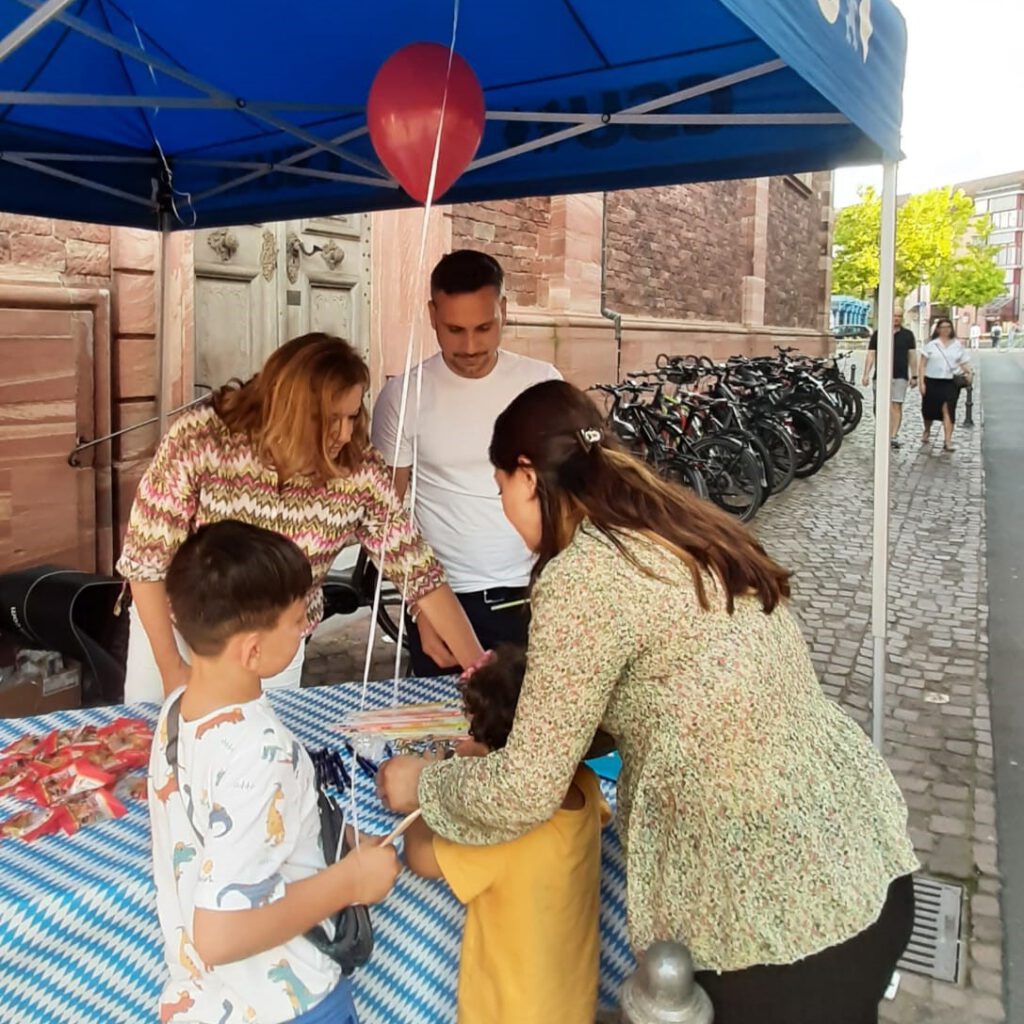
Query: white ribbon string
point(402, 409)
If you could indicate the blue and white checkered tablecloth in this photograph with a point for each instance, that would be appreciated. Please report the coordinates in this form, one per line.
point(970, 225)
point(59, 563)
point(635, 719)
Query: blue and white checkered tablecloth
point(79, 939)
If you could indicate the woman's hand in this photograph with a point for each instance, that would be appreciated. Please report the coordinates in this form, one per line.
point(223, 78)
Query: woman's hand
point(433, 646)
point(398, 781)
point(443, 613)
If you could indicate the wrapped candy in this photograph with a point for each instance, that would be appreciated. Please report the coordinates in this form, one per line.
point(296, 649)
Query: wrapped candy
point(13, 775)
point(89, 808)
point(33, 823)
point(132, 787)
point(79, 775)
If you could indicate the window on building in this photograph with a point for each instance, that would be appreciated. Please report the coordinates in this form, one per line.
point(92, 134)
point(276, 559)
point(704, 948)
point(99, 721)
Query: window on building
point(980, 206)
point(1006, 219)
point(999, 203)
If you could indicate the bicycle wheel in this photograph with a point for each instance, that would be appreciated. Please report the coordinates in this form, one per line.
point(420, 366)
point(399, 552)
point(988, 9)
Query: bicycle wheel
point(781, 449)
point(808, 440)
point(732, 474)
point(832, 425)
point(851, 404)
point(682, 472)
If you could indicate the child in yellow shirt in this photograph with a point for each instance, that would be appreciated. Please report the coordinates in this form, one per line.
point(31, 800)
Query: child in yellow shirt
point(530, 948)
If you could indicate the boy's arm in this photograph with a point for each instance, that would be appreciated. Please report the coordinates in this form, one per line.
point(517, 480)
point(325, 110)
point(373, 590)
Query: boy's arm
point(363, 876)
point(419, 851)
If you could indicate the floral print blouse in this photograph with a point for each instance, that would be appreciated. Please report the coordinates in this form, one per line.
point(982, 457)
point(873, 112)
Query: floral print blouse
point(205, 473)
point(759, 824)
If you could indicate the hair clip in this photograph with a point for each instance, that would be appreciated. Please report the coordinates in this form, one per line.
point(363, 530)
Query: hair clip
point(589, 436)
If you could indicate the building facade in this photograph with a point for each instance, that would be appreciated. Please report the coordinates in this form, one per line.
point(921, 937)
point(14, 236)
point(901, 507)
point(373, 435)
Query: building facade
point(1002, 198)
point(102, 330)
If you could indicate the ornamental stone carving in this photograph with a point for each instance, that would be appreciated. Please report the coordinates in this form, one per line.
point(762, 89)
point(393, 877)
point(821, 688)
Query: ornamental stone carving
point(224, 243)
point(268, 255)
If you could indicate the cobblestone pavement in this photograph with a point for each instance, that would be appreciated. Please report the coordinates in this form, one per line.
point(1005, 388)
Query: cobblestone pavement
point(337, 653)
point(938, 735)
point(939, 741)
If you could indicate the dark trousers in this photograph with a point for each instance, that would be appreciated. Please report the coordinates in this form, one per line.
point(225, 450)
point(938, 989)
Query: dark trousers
point(840, 985)
point(492, 624)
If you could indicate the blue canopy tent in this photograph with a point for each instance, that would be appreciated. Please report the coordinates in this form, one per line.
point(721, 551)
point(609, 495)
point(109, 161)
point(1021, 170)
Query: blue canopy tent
point(170, 116)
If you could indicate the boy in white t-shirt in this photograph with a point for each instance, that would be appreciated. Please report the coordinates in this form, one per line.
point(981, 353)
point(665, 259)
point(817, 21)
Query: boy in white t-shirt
point(450, 414)
point(237, 857)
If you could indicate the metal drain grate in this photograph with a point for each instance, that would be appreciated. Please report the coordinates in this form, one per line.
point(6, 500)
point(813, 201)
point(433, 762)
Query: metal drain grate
point(934, 947)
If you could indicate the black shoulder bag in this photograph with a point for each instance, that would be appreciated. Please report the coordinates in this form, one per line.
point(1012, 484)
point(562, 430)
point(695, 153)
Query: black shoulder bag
point(353, 930)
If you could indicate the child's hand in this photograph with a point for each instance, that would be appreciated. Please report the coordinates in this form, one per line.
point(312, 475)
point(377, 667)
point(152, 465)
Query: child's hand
point(373, 870)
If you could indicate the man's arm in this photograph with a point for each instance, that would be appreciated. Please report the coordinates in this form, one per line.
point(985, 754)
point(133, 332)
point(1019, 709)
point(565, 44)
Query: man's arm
point(869, 365)
point(402, 477)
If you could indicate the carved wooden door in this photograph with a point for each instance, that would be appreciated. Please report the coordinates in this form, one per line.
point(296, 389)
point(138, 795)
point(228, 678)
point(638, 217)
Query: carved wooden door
point(259, 285)
point(47, 508)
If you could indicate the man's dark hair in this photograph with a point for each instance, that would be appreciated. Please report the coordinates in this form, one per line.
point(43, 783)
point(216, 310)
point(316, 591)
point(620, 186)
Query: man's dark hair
point(229, 578)
point(465, 271)
point(490, 696)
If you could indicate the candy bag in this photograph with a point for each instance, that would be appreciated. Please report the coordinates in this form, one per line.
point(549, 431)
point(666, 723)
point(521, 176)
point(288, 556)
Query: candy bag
point(132, 787)
point(89, 808)
point(32, 824)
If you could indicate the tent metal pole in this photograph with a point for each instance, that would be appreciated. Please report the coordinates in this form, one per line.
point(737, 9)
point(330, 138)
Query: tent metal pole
point(30, 26)
point(164, 354)
point(746, 75)
point(880, 533)
point(156, 62)
point(76, 179)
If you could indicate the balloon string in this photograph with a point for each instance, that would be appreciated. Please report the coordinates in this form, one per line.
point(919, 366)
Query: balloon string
point(402, 409)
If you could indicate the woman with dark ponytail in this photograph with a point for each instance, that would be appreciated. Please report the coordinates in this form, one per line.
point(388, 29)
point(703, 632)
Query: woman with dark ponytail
point(760, 827)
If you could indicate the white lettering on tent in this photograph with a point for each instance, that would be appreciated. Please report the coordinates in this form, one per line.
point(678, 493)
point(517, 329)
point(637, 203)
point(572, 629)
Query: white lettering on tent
point(856, 22)
point(866, 28)
point(829, 10)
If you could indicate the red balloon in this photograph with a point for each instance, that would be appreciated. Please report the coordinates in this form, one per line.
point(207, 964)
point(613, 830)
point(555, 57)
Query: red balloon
point(403, 110)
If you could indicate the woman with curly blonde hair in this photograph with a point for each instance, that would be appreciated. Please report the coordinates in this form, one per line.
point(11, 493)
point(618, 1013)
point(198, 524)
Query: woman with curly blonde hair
point(287, 450)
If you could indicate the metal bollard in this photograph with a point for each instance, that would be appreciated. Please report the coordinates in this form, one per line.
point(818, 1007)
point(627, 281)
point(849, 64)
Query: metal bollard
point(969, 408)
point(662, 990)
point(853, 373)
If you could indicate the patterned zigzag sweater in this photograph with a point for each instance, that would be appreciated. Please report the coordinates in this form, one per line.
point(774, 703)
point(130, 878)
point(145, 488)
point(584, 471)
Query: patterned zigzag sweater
point(204, 473)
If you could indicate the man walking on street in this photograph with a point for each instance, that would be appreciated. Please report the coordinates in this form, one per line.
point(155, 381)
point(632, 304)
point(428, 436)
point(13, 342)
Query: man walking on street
point(904, 365)
point(975, 335)
point(465, 387)
point(996, 334)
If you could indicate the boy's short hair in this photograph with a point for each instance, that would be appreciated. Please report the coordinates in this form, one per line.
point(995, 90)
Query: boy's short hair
point(491, 693)
point(465, 271)
point(229, 578)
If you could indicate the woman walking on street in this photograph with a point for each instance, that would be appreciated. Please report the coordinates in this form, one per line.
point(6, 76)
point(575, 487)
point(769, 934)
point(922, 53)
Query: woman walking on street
point(947, 368)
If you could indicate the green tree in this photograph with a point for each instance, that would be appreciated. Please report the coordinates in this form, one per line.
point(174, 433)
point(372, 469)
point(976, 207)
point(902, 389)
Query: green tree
point(932, 229)
point(971, 277)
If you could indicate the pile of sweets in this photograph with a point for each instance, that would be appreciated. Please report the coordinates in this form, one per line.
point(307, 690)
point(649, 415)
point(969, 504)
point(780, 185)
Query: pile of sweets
point(74, 777)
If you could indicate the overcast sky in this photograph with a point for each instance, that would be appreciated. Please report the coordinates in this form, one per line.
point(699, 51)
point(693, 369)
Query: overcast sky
point(963, 102)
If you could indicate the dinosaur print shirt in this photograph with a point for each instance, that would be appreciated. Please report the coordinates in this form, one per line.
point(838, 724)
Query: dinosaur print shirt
point(249, 788)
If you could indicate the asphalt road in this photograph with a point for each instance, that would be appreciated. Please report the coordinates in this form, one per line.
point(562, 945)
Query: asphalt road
point(1002, 387)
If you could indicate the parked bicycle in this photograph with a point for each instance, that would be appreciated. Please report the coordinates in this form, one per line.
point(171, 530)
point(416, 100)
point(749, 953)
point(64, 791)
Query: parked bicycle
point(739, 431)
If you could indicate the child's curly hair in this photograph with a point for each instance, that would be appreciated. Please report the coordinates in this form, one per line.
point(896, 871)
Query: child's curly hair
point(491, 693)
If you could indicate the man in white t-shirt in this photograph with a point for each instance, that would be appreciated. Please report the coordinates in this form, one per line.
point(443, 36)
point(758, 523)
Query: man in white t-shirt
point(462, 391)
point(975, 335)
